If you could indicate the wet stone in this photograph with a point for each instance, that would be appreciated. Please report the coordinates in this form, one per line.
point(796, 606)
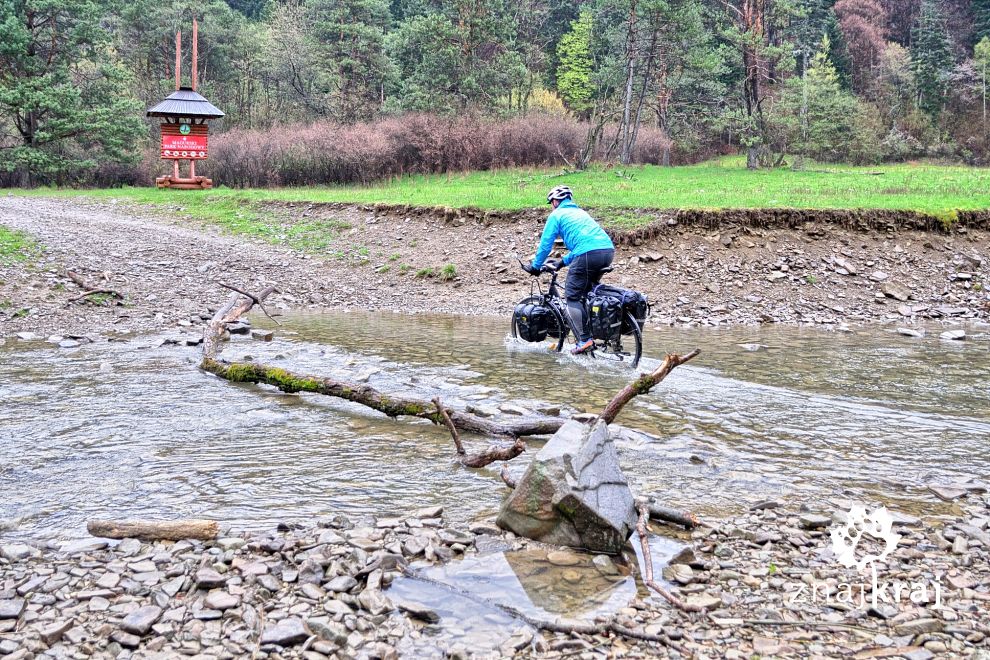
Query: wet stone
point(126, 639)
point(288, 632)
point(11, 609)
point(919, 627)
point(221, 600)
point(53, 634)
point(139, 621)
point(17, 552)
point(341, 583)
point(207, 578)
point(814, 521)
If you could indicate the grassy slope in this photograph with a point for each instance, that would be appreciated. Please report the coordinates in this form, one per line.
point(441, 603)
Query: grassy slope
point(724, 183)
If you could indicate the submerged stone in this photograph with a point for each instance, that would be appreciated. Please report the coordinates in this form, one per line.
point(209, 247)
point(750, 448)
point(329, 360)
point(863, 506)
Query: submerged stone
point(574, 493)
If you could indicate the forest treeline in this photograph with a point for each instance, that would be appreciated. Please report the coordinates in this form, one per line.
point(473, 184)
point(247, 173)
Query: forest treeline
point(320, 91)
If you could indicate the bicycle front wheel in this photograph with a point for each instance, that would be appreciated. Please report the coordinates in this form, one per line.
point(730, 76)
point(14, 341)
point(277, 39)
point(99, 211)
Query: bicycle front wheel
point(558, 326)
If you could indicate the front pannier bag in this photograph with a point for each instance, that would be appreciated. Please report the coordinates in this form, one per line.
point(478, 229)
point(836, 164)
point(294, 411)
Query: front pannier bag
point(532, 321)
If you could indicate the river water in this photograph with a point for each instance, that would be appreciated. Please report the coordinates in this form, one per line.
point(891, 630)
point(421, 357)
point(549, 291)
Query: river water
point(132, 429)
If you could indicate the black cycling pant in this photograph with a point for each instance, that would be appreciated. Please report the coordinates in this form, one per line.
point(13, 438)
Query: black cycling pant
point(582, 275)
point(585, 272)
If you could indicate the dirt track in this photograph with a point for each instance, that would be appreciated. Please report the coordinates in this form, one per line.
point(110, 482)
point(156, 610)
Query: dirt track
point(167, 268)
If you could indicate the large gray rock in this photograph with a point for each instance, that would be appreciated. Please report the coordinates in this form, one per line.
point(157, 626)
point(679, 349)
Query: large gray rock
point(573, 493)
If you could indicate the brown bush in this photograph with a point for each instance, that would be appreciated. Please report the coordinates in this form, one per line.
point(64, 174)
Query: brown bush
point(328, 153)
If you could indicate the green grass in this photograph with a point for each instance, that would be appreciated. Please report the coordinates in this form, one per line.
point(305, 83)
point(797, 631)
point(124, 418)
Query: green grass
point(16, 246)
point(615, 193)
point(448, 272)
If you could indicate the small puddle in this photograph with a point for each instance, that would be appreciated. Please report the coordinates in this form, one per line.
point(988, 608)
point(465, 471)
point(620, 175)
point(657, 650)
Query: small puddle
point(477, 597)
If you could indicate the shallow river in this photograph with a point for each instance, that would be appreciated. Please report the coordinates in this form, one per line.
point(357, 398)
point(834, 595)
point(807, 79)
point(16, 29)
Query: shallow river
point(133, 430)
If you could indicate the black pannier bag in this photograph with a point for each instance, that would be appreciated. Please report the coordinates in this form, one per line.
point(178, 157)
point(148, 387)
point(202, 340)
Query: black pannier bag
point(633, 302)
point(531, 321)
point(605, 314)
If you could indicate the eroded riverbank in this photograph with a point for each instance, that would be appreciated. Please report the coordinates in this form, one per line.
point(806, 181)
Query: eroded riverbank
point(336, 257)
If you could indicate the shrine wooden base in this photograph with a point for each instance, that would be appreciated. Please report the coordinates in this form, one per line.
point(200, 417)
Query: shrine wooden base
point(193, 183)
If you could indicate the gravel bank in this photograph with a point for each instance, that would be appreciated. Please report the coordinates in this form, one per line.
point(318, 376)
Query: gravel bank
point(766, 581)
point(167, 268)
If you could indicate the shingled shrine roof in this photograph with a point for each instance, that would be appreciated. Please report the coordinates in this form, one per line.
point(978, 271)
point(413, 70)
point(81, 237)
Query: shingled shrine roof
point(186, 103)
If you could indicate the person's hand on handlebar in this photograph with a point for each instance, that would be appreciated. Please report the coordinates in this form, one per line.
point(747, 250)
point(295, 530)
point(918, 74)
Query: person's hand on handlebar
point(529, 269)
point(552, 266)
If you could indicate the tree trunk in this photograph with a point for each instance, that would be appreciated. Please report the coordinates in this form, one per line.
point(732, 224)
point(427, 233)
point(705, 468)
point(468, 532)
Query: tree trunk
point(753, 158)
point(625, 129)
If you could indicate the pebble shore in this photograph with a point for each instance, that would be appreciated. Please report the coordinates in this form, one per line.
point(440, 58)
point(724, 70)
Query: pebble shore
point(766, 581)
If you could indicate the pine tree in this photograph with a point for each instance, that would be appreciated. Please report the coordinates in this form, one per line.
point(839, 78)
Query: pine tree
point(64, 94)
point(931, 57)
point(981, 19)
point(574, 81)
point(349, 42)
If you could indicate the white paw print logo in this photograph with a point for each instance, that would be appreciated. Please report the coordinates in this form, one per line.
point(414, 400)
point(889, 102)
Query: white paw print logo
point(845, 538)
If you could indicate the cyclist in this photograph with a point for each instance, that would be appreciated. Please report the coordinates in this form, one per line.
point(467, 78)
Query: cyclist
point(590, 251)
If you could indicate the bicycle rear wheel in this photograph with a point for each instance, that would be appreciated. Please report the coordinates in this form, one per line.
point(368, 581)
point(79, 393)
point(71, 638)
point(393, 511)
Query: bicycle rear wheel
point(558, 326)
point(614, 350)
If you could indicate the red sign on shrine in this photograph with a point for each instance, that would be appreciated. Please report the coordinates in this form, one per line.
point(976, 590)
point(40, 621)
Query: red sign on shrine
point(185, 141)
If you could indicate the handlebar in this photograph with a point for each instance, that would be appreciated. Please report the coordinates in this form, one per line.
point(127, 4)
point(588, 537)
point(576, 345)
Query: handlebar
point(545, 269)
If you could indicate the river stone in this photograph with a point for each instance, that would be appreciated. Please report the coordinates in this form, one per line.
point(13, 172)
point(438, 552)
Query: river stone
point(919, 627)
point(207, 578)
point(286, 633)
point(11, 609)
point(953, 335)
point(221, 600)
point(895, 291)
point(573, 493)
point(140, 620)
point(17, 551)
point(341, 583)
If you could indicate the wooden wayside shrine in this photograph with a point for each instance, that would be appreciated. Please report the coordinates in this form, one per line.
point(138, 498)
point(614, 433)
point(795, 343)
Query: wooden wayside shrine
point(184, 129)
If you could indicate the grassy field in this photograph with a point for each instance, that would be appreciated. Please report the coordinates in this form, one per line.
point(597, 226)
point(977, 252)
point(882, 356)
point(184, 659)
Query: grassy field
point(724, 183)
point(15, 246)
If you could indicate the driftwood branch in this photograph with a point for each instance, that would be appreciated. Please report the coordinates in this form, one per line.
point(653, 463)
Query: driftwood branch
point(644, 540)
point(257, 301)
point(665, 514)
point(450, 426)
point(494, 453)
point(154, 530)
point(506, 477)
point(88, 288)
point(644, 384)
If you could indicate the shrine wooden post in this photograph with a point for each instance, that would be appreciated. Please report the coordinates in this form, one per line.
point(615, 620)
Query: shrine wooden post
point(185, 128)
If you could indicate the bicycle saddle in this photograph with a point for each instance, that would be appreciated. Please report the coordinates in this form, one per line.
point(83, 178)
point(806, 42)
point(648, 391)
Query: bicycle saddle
point(608, 269)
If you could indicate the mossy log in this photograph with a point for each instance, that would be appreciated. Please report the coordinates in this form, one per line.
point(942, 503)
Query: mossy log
point(392, 406)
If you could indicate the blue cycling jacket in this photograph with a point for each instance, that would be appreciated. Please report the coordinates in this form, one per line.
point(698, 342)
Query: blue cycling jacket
point(578, 229)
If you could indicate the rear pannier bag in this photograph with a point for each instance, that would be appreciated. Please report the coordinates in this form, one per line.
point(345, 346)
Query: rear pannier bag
point(633, 302)
point(531, 321)
point(605, 314)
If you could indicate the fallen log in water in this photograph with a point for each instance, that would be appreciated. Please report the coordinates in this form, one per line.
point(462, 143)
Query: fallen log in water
point(393, 406)
point(154, 530)
point(665, 514)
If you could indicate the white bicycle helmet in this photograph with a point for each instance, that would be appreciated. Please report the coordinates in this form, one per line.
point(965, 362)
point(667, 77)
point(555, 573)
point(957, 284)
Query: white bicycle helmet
point(559, 193)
